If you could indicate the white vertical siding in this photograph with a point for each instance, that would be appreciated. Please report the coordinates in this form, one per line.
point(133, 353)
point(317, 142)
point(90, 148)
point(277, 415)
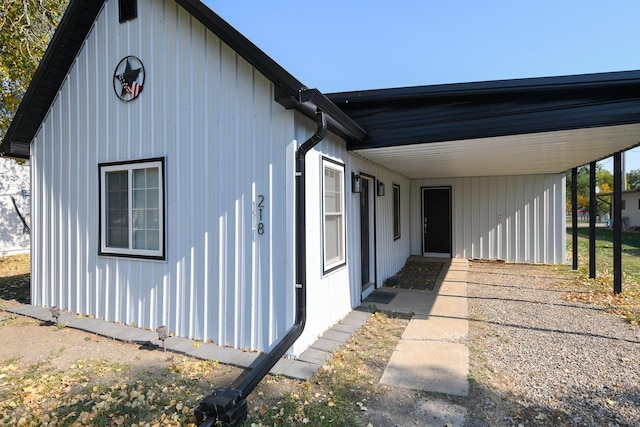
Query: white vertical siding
point(332, 295)
point(225, 142)
point(632, 208)
point(511, 218)
point(391, 253)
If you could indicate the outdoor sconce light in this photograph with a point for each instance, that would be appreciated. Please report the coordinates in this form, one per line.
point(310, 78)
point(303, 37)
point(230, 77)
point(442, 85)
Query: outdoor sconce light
point(380, 188)
point(162, 335)
point(55, 312)
point(355, 183)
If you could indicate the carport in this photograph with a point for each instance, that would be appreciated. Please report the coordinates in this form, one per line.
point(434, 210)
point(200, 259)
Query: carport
point(510, 127)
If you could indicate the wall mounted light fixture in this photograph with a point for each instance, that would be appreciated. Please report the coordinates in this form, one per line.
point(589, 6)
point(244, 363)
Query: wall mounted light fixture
point(380, 188)
point(355, 183)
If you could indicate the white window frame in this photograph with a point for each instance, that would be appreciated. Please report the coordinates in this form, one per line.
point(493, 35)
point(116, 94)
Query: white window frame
point(340, 259)
point(129, 167)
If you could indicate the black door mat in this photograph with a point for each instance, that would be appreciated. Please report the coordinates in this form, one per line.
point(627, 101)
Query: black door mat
point(380, 297)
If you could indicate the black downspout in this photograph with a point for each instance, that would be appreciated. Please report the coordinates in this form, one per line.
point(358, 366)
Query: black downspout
point(228, 407)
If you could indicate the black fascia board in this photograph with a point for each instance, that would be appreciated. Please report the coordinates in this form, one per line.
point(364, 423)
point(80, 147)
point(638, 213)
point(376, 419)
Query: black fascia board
point(339, 121)
point(65, 44)
point(440, 113)
point(492, 87)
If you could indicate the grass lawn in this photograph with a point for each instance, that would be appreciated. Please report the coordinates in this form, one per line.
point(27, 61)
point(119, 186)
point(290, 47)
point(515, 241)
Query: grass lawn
point(600, 289)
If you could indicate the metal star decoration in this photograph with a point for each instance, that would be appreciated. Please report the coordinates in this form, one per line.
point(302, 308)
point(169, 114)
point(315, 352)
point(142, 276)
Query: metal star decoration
point(128, 77)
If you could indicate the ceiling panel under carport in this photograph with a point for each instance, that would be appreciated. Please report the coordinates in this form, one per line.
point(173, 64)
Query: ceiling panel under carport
point(539, 153)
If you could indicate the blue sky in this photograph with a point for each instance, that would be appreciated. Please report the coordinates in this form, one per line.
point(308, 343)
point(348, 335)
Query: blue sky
point(349, 45)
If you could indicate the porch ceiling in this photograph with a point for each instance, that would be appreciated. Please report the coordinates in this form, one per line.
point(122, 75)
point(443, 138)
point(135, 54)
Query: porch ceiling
point(537, 153)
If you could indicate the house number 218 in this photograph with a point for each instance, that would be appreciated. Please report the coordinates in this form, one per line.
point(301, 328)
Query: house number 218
point(260, 206)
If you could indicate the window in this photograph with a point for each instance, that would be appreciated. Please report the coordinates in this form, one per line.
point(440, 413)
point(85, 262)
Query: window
point(396, 211)
point(333, 215)
point(132, 209)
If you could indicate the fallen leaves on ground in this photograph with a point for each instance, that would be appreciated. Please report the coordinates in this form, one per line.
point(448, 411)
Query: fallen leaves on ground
point(99, 392)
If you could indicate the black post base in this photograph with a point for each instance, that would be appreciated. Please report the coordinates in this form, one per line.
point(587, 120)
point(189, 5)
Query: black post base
point(223, 407)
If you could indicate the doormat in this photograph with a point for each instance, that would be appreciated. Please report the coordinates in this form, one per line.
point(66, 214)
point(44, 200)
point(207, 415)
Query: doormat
point(417, 273)
point(380, 297)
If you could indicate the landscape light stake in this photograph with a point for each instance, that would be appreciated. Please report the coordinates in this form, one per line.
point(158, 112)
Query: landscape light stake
point(162, 335)
point(55, 312)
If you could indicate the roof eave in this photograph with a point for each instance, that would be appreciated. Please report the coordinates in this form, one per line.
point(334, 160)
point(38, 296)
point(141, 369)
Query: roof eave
point(68, 36)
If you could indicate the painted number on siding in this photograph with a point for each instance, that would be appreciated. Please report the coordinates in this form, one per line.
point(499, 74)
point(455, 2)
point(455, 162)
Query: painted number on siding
point(260, 206)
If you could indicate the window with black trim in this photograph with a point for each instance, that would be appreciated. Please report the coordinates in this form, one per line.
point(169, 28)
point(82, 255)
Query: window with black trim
point(396, 211)
point(333, 215)
point(132, 209)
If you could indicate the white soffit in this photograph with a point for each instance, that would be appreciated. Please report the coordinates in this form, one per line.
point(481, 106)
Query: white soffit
point(537, 153)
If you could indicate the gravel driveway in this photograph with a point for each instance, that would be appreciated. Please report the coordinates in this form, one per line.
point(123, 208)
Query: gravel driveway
point(537, 359)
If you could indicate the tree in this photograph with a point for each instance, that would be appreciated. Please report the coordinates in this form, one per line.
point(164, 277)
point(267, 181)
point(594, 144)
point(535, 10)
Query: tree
point(27, 27)
point(604, 181)
point(633, 179)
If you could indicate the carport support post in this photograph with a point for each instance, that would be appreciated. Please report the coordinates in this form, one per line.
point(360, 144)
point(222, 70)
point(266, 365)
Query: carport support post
point(618, 185)
point(593, 211)
point(574, 217)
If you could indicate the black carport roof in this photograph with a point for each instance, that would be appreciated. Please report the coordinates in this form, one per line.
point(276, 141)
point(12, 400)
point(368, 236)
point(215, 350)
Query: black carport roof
point(508, 127)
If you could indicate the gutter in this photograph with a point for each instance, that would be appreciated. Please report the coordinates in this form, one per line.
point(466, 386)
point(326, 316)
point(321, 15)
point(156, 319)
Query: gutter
point(228, 406)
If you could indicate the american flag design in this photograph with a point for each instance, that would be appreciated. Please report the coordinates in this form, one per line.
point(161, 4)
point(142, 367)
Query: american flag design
point(128, 78)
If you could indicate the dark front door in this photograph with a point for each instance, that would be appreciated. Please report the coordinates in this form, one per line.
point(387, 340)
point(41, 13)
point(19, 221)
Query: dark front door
point(436, 221)
point(364, 231)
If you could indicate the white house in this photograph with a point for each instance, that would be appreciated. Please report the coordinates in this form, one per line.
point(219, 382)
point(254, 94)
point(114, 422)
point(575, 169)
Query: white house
point(631, 208)
point(15, 194)
point(163, 146)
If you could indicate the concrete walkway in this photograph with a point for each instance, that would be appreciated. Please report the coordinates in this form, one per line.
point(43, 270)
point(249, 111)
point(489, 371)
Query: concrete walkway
point(429, 356)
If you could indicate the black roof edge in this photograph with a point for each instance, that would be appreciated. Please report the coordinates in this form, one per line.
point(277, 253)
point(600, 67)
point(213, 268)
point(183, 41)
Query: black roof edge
point(67, 36)
point(70, 37)
point(494, 87)
point(338, 119)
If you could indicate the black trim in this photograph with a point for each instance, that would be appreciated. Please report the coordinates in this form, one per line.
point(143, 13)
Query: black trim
point(425, 114)
point(49, 76)
point(162, 257)
point(326, 271)
point(397, 210)
point(374, 206)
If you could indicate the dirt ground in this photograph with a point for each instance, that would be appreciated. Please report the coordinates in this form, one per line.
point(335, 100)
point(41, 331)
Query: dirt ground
point(31, 345)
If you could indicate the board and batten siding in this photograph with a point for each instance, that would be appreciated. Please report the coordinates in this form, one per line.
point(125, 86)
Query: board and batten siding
point(390, 253)
point(328, 294)
point(225, 142)
point(510, 218)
